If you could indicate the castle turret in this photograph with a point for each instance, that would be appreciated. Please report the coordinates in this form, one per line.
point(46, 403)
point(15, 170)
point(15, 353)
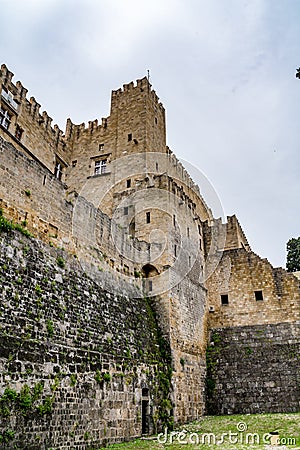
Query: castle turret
point(139, 119)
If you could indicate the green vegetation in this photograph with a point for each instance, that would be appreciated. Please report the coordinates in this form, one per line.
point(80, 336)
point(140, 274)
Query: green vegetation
point(24, 402)
point(38, 289)
point(6, 436)
point(8, 225)
point(49, 326)
point(73, 379)
point(293, 255)
point(46, 406)
point(164, 416)
point(257, 426)
point(99, 377)
point(107, 377)
point(60, 262)
point(27, 192)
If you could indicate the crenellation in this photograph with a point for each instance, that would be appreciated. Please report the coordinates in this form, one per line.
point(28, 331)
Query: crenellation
point(21, 91)
point(47, 120)
point(6, 74)
point(128, 86)
point(34, 109)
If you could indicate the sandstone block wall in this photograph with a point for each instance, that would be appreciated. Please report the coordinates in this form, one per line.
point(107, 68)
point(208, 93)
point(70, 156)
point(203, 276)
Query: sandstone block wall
point(256, 292)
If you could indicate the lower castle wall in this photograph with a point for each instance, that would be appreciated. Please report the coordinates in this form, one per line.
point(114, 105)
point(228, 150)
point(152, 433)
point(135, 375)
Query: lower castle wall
point(80, 366)
point(254, 369)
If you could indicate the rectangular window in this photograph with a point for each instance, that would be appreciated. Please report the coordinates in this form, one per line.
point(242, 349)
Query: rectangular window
point(100, 167)
point(188, 232)
point(175, 250)
point(125, 210)
point(129, 137)
point(58, 170)
point(258, 295)
point(150, 285)
point(129, 183)
point(18, 133)
point(174, 220)
point(224, 299)
point(74, 163)
point(101, 146)
point(5, 118)
point(9, 98)
point(148, 217)
point(190, 261)
point(200, 244)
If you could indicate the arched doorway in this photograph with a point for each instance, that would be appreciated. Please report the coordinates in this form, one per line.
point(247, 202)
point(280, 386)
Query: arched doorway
point(148, 271)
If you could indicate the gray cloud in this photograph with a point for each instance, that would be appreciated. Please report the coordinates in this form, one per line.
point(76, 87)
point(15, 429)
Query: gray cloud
point(224, 71)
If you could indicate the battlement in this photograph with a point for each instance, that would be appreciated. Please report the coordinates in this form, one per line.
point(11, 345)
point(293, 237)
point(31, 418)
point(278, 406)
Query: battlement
point(29, 129)
point(236, 237)
point(142, 85)
point(20, 97)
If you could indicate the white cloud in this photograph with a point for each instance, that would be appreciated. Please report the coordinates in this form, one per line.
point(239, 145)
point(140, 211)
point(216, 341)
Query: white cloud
point(223, 69)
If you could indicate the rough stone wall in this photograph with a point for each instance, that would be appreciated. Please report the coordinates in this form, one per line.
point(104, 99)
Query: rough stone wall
point(88, 233)
point(188, 337)
point(239, 275)
point(182, 245)
point(254, 369)
point(76, 361)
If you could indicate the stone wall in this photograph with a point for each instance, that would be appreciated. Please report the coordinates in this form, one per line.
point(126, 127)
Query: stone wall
point(30, 194)
point(80, 365)
point(256, 292)
point(254, 369)
point(63, 219)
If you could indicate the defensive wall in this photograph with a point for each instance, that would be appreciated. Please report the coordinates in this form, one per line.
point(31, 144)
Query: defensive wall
point(80, 365)
point(76, 314)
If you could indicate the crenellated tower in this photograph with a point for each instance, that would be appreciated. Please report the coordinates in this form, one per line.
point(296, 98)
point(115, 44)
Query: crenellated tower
point(139, 119)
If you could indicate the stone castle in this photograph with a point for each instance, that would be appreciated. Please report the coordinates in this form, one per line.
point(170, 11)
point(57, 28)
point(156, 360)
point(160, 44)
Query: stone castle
point(131, 306)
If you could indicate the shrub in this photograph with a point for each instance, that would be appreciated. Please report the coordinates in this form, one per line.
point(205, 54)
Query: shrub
point(49, 326)
point(60, 262)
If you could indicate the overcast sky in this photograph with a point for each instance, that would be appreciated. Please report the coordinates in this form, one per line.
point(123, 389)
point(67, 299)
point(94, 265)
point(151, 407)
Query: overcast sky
point(224, 70)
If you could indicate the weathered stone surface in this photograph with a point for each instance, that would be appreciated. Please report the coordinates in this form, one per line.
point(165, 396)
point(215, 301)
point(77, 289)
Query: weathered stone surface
point(93, 351)
point(133, 224)
point(254, 369)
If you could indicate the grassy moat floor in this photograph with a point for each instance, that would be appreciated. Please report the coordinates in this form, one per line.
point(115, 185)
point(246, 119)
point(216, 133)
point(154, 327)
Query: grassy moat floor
point(239, 432)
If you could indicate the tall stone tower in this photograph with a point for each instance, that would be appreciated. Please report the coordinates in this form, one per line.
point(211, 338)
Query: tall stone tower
point(124, 168)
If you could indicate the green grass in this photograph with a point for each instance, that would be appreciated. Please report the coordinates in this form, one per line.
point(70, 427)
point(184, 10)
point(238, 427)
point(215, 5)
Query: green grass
point(288, 426)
